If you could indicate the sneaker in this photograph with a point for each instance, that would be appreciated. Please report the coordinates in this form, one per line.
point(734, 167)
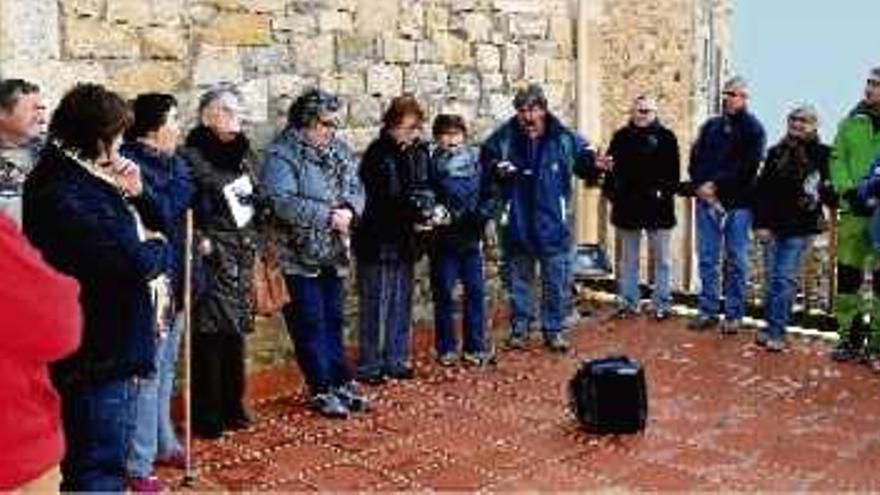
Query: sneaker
point(662, 315)
point(176, 460)
point(730, 327)
point(761, 338)
point(147, 484)
point(403, 372)
point(478, 359)
point(516, 341)
point(329, 406)
point(624, 313)
point(447, 359)
point(556, 343)
point(702, 323)
point(352, 398)
point(775, 345)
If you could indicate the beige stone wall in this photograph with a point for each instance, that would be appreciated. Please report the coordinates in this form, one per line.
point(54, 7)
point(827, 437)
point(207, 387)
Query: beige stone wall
point(454, 54)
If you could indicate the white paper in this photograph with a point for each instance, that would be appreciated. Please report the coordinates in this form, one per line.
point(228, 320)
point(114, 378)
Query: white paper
point(241, 187)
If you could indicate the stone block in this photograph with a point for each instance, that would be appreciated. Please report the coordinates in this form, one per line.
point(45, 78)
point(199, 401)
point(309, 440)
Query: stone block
point(343, 84)
point(374, 18)
point(491, 82)
point(424, 79)
point(411, 23)
point(287, 86)
point(263, 6)
point(436, 19)
point(141, 77)
point(560, 70)
point(397, 50)
point(89, 38)
point(464, 85)
point(519, 6)
point(29, 30)
point(497, 106)
point(164, 43)
point(316, 54)
point(511, 61)
point(294, 23)
point(136, 13)
point(426, 51)
point(237, 29)
point(166, 12)
point(359, 138)
point(215, 64)
point(54, 77)
point(354, 51)
point(453, 51)
point(521, 26)
point(79, 8)
point(364, 111)
point(488, 57)
point(477, 26)
point(384, 80)
point(255, 96)
point(534, 67)
point(335, 20)
point(264, 60)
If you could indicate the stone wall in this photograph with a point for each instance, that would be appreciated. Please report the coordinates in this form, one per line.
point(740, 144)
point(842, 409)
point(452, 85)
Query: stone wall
point(455, 55)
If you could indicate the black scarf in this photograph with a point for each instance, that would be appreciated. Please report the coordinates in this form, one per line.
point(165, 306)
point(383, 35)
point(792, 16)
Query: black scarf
point(795, 156)
point(223, 155)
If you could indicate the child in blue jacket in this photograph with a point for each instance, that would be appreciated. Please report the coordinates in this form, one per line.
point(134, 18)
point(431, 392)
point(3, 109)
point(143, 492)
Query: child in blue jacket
point(456, 251)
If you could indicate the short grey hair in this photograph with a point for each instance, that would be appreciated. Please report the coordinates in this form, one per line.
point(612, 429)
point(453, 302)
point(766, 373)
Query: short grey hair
point(216, 92)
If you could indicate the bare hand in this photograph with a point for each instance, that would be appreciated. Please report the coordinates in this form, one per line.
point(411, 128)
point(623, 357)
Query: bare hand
point(506, 168)
point(127, 175)
point(605, 162)
point(205, 247)
point(340, 219)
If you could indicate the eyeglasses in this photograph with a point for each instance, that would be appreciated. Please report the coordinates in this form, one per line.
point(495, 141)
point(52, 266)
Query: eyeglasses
point(328, 123)
point(799, 118)
point(874, 83)
point(732, 94)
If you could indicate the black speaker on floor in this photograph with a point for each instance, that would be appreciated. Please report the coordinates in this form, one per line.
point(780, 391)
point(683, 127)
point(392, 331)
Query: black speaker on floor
point(610, 396)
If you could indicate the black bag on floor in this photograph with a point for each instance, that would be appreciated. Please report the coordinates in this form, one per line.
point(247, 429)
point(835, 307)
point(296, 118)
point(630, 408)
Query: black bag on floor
point(609, 395)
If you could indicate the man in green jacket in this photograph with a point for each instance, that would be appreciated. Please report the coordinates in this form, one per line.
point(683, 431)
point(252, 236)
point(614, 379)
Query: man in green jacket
point(856, 146)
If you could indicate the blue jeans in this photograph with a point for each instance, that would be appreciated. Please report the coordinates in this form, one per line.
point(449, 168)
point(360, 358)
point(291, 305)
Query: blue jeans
point(99, 422)
point(782, 258)
point(519, 274)
point(728, 231)
point(385, 291)
point(628, 279)
point(154, 431)
point(447, 268)
point(315, 321)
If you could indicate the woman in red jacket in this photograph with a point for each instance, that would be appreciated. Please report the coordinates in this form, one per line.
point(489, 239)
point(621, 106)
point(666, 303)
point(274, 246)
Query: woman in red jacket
point(40, 322)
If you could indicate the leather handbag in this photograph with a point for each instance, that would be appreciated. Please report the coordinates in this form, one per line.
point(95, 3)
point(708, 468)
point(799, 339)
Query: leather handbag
point(269, 288)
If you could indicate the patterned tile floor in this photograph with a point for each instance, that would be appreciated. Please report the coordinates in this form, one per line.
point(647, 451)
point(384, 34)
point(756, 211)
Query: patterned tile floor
point(724, 415)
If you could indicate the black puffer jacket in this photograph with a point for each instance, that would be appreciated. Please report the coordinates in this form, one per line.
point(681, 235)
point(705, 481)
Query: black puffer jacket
point(791, 188)
point(643, 183)
point(397, 185)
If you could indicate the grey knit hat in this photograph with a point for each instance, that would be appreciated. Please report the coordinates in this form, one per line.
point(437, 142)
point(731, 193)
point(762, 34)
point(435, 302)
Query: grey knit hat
point(529, 96)
point(311, 105)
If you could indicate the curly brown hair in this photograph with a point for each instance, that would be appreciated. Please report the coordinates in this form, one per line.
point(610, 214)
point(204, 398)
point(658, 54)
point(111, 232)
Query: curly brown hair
point(88, 119)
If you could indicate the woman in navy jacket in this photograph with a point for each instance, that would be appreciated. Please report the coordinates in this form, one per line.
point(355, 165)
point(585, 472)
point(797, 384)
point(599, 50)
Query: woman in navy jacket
point(86, 210)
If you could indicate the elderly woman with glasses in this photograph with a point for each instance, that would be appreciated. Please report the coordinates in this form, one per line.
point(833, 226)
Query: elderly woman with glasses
point(220, 155)
point(790, 191)
point(311, 175)
point(399, 204)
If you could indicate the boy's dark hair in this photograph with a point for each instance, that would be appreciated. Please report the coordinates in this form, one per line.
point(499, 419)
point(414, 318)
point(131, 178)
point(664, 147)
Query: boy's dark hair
point(399, 108)
point(150, 113)
point(447, 123)
point(88, 119)
point(12, 89)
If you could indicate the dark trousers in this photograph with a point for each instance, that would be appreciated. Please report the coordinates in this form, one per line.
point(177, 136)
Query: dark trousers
point(314, 320)
point(218, 378)
point(98, 422)
point(448, 267)
point(385, 292)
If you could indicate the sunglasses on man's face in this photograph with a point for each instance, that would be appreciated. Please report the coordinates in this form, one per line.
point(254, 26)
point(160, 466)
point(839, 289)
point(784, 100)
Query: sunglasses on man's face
point(644, 111)
point(874, 83)
point(732, 94)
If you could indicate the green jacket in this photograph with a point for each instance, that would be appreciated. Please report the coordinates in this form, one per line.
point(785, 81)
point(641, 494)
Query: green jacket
point(855, 148)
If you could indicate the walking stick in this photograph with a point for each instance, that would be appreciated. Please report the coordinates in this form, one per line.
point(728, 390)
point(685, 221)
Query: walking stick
point(189, 476)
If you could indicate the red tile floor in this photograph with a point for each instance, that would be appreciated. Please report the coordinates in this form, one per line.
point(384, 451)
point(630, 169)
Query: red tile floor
point(723, 415)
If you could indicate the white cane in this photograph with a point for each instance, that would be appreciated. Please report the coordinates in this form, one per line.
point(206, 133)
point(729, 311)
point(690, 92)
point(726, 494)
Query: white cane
point(189, 476)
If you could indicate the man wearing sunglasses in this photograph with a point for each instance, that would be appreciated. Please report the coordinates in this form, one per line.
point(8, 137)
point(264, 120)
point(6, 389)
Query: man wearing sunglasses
point(723, 168)
point(856, 146)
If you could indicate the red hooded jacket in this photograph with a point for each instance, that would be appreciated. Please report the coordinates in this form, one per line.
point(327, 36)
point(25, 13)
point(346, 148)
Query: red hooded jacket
point(40, 322)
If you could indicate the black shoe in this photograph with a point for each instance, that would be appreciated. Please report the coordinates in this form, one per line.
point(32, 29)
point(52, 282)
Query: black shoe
point(371, 378)
point(241, 421)
point(208, 431)
point(329, 406)
point(662, 315)
point(845, 351)
point(624, 313)
point(775, 345)
point(352, 398)
point(402, 373)
point(761, 338)
point(556, 343)
point(702, 323)
point(730, 327)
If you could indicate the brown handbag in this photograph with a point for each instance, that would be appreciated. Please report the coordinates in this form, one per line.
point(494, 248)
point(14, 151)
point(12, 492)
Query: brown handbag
point(270, 289)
